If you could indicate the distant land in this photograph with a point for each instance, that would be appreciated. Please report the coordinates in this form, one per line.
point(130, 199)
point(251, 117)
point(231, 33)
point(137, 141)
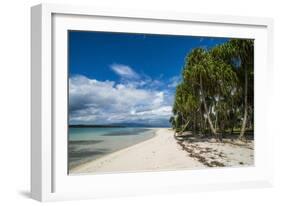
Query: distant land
point(117, 125)
point(90, 125)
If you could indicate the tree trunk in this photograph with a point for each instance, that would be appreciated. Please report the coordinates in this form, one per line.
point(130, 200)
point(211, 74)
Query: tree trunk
point(206, 108)
point(216, 114)
point(193, 124)
point(242, 132)
point(185, 126)
point(216, 121)
point(202, 128)
point(222, 128)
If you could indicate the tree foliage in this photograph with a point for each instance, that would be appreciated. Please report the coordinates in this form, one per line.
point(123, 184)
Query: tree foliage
point(215, 95)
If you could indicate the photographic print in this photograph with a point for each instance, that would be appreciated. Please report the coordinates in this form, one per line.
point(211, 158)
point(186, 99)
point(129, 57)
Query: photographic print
point(154, 102)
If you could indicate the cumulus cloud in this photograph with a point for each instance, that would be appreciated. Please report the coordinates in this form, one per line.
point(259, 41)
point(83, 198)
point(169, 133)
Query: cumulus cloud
point(130, 78)
point(174, 81)
point(104, 102)
point(124, 71)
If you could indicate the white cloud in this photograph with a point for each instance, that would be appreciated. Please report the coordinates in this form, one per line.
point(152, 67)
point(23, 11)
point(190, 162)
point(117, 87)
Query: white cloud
point(104, 102)
point(174, 81)
point(124, 71)
point(131, 78)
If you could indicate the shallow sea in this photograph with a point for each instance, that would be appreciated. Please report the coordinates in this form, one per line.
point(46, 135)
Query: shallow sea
point(86, 144)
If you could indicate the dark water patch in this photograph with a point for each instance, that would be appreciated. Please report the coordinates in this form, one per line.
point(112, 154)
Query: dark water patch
point(122, 133)
point(86, 153)
point(90, 144)
point(78, 156)
point(84, 142)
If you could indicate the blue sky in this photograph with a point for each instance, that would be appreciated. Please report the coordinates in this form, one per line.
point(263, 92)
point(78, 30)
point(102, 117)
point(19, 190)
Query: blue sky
point(121, 77)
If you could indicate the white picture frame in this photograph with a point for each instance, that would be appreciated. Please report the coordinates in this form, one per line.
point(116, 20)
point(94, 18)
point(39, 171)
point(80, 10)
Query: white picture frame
point(49, 179)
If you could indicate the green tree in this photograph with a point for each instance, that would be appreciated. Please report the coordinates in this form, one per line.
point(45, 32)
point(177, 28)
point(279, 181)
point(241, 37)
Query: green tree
point(216, 91)
point(244, 55)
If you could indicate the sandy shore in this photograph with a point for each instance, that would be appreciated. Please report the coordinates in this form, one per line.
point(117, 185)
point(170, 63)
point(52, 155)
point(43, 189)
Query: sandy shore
point(227, 153)
point(162, 152)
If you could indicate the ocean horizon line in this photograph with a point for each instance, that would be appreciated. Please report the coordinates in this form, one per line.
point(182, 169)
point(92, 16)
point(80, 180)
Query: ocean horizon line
point(116, 125)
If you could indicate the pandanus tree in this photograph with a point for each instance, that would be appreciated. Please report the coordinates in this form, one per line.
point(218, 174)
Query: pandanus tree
point(244, 52)
point(216, 89)
point(185, 104)
point(198, 71)
point(227, 92)
point(214, 79)
point(239, 54)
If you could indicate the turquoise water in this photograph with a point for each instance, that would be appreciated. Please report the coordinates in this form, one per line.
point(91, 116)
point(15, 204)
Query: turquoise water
point(86, 144)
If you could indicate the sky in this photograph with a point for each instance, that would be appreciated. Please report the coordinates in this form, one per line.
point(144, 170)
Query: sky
point(126, 78)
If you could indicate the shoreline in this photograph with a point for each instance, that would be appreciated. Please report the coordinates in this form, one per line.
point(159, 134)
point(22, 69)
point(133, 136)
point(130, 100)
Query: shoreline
point(154, 130)
point(118, 150)
point(161, 152)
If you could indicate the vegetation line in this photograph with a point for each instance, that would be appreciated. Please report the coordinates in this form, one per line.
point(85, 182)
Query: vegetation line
point(215, 96)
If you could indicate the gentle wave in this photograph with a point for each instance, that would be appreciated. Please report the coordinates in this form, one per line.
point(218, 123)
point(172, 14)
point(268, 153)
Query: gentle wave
point(87, 144)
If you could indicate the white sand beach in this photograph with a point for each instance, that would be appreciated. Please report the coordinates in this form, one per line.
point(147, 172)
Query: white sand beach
point(225, 153)
point(164, 152)
point(161, 152)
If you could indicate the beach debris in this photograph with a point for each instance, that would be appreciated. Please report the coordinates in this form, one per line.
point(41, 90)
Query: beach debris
point(215, 154)
point(196, 152)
